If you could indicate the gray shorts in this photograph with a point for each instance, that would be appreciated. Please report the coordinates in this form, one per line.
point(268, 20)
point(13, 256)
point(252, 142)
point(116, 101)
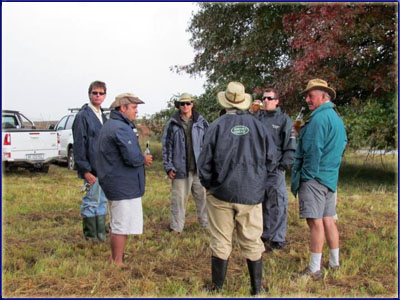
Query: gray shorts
point(316, 201)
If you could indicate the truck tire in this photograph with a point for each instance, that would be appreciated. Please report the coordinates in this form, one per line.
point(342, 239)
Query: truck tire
point(70, 159)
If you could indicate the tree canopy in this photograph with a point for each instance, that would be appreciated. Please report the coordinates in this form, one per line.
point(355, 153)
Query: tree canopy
point(352, 46)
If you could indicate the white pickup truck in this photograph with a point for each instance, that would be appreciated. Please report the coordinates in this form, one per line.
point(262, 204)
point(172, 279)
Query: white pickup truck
point(24, 145)
point(66, 140)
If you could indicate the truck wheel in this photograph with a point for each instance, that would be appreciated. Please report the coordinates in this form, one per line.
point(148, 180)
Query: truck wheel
point(44, 169)
point(70, 159)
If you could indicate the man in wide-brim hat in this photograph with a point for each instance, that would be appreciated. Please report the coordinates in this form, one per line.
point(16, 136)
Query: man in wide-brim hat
point(237, 153)
point(321, 143)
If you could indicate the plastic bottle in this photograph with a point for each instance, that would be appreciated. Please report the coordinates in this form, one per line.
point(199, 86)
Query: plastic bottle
point(147, 151)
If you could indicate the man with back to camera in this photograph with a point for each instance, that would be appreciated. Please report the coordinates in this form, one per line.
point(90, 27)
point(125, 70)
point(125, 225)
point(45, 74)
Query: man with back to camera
point(85, 129)
point(121, 172)
point(275, 203)
point(182, 142)
point(315, 173)
point(238, 153)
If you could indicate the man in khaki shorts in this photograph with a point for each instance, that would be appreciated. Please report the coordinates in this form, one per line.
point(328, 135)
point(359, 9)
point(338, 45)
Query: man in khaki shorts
point(238, 152)
point(120, 164)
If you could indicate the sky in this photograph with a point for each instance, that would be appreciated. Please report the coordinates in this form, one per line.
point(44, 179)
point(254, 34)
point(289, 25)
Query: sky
point(51, 52)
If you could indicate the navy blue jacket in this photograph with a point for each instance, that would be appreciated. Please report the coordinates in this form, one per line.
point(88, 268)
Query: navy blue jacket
point(174, 143)
point(238, 152)
point(119, 159)
point(85, 130)
point(280, 126)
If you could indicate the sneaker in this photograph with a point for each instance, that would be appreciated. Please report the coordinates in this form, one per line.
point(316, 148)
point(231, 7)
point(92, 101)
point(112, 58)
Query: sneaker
point(271, 246)
point(334, 268)
point(314, 275)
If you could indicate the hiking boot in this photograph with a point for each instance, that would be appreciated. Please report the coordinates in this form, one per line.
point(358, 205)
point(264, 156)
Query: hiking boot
point(314, 275)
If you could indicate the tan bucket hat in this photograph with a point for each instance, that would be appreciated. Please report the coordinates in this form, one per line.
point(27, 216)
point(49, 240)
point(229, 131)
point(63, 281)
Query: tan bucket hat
point(185, 97)
point(319, 84)
point(125, 98)
point(234, 96)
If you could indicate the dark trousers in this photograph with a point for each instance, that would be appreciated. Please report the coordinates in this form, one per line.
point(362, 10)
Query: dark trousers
point(275, 208)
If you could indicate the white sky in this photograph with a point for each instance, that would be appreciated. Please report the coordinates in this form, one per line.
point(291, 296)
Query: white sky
point(51, 52)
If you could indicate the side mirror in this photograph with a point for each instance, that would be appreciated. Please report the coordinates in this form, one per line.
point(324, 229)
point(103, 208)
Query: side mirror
point(52, 126)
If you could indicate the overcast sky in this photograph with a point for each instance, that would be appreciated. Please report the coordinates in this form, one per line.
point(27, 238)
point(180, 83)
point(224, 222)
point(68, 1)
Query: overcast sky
point(52, 51)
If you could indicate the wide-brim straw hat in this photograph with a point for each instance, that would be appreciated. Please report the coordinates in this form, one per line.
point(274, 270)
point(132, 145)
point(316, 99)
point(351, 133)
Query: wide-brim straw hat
point(319, 84)
point(234, 96)
point(125, 98)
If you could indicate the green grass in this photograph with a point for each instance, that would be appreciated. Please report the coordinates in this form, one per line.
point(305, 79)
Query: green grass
point(44, 254)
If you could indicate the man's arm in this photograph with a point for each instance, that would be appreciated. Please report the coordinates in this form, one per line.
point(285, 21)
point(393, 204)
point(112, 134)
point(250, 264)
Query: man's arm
point(79, 131)
point(288, 138)
point(167, 147)
point(129, 148)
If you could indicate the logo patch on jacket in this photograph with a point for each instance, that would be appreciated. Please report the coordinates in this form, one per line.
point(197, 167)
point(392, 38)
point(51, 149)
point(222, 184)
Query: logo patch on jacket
point(239, 130)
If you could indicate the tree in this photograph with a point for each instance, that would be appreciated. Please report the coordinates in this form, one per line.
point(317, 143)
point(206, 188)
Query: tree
point(352, 46)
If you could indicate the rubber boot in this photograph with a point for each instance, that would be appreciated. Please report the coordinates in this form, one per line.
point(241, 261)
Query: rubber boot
point(89, 228)
point(101, 228)
point(255, 271)
point(218, 273)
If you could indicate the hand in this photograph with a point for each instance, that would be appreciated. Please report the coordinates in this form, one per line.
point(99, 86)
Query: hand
point(148, 159)
point(297, 126)
point(90, 178)
point(171, 174)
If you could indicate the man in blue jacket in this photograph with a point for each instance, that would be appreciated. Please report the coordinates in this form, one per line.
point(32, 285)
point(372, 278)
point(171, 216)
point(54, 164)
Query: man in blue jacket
point(315, 173)
point(182, 142)
point(85, 130)
point(238, 153)
point(120, 165)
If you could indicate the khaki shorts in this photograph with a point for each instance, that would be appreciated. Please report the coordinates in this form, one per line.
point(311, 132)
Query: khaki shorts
point(316, 201)
point(126, 216)
point(224, 218)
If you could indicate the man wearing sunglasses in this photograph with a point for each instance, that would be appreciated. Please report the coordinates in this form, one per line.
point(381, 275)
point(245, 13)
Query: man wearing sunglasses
point(276, 198)
point(182, 142)
point(85, 130)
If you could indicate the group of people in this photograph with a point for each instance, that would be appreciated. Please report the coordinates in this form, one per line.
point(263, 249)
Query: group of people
point(234, 168)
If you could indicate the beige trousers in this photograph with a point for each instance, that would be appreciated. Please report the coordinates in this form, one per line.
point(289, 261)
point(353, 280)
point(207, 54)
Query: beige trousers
point(179, 194)
point(224, 217)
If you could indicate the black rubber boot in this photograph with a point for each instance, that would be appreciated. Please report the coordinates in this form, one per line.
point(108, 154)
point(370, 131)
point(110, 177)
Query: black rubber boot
point(218, 273)
point(89, 228)
point(255, 271)
point(101, 228)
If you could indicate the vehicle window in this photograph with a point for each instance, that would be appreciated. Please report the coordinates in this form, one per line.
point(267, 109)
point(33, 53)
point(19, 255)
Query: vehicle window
point(8, 122)
point(61, 124)
point(70, 122)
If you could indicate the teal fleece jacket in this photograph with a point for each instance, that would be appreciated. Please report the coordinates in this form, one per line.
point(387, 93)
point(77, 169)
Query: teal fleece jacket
point(322, 141)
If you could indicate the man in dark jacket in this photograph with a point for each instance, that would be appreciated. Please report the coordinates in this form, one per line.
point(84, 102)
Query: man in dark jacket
point(237, 154)
point(121, 172)
point(85, 130)
point(275, 203)
point(182, 142)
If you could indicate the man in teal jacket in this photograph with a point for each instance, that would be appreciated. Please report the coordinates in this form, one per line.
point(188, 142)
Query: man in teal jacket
point(321, 143)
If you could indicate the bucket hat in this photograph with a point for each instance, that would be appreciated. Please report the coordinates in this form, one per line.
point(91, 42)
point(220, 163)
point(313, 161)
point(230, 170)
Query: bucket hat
point(185, 97)
point(234, 96)
point(319, 84)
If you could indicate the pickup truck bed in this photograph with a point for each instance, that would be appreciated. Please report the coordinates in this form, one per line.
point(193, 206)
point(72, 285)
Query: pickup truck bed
point(29, 148)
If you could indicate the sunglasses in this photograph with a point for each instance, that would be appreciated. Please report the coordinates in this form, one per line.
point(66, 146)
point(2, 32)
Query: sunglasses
point(185, 103)
point(269, 98)
point(98, 93)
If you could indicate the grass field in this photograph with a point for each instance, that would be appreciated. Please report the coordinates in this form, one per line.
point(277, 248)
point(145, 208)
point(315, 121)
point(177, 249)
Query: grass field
point(44, 254)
